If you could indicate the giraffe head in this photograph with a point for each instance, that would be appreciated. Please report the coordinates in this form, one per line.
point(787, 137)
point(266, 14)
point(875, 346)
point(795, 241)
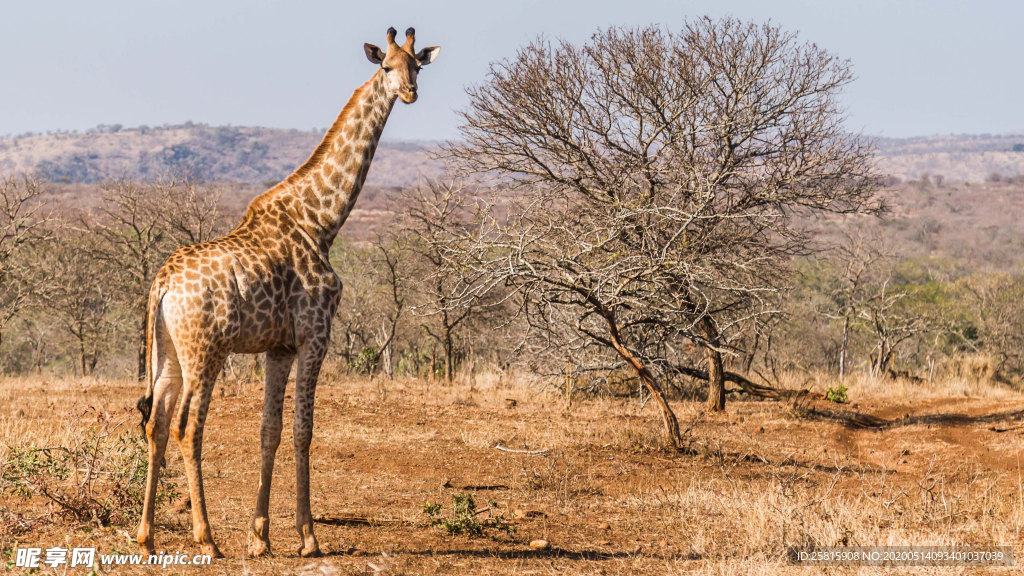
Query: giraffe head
point(401, 64)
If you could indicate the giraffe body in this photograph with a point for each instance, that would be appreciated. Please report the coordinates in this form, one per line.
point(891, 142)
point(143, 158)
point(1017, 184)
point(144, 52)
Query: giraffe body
point(268, 286)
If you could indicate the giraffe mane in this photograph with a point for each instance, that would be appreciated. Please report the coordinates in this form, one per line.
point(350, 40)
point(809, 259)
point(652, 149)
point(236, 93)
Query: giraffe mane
point(325, 145)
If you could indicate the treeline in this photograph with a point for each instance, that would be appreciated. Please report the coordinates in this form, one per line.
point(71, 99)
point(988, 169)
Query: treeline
point(73, 285)
point(862, 306)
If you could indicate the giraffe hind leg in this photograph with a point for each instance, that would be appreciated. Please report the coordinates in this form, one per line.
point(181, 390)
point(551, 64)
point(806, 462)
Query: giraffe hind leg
point(199, 378)
point(166, 387)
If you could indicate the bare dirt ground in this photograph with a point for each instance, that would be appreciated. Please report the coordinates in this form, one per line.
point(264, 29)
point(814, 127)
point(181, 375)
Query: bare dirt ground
point(606, 494)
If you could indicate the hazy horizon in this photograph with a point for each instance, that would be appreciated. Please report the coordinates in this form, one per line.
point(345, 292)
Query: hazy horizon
point(923, 68)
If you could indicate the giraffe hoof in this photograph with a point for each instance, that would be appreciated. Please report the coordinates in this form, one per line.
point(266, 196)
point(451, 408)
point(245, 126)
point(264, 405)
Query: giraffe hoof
point(212, 550)
point(147, 549)
point(311, 552)
point(259, 548)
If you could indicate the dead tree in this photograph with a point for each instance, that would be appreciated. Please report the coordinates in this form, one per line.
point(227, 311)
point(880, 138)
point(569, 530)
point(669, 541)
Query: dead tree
point(434, 216)
point(80, 298)
point(139, 225)
point(25, 224)
point(856, 260)
point(390, 255)
point(653, 178)
point(890, 314)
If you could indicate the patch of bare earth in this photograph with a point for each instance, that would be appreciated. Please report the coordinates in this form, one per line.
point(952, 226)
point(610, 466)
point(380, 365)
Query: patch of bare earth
point(606, 494)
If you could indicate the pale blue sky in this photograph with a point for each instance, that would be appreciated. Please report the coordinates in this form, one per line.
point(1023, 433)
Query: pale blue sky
point(923, 67)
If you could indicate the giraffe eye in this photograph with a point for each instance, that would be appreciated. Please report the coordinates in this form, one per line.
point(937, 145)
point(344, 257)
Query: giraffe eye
point(386, 69)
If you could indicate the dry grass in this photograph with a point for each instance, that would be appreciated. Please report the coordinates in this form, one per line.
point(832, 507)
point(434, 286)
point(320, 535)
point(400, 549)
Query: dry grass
point(955, 384)
point(761, 477)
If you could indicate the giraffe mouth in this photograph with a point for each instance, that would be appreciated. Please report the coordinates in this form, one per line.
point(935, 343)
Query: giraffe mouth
point(408, 96)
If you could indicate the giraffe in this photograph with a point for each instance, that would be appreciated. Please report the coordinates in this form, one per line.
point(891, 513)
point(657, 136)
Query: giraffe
point(268, 286)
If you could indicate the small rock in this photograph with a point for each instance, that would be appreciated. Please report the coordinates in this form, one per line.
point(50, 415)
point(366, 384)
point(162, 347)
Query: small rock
point(20, 413)
point(357, 552)
point(604, 543)
point(540, 544)
point(663, 543)
point(520, 514)
point(761, 430)
point(184, 504)
point(604, 526)
point(510, 403)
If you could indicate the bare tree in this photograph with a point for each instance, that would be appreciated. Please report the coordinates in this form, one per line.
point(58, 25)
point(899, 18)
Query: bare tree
point(888, 313)
point(24, 224)
point(191, 213)
point(138, 225)
point(856, 259)
point(356, 320)
point(390, 255)
point(996, 315)
point(654, 180)
point(80, 298)
point(434, 216)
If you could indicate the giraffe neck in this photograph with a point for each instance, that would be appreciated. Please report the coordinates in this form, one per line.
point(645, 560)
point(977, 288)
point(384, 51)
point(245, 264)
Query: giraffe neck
point(325, 188)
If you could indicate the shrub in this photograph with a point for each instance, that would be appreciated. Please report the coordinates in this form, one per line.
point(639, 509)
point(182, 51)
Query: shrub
point(837, 395)
point(100, 480)
point(463, 519)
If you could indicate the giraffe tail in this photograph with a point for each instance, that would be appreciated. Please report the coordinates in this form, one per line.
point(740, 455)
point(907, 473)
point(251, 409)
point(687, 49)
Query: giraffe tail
point(145, 404)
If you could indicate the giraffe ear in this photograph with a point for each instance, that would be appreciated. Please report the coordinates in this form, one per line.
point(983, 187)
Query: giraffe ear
point(428, 55)
point(373, 53)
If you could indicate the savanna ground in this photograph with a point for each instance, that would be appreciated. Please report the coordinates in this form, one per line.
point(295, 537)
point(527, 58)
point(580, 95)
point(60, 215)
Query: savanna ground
point(943, 468)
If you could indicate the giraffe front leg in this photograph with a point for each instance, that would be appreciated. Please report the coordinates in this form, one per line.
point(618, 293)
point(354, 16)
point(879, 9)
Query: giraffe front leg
point(189, 430)
point(311, 356)
point(279, 364)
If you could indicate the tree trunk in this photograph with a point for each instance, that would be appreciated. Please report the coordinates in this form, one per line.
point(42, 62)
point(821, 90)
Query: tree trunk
point(716, 374)
point(81, 355)
point(842, 351)
point(667, 415)
point(448, 360)
point(433, 362)
point(142, 347)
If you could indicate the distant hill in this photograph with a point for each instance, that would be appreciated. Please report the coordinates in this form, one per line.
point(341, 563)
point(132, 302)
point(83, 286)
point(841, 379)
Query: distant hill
point(258, 155)
point(963, 158)
point(960, 214)
point(223, 153)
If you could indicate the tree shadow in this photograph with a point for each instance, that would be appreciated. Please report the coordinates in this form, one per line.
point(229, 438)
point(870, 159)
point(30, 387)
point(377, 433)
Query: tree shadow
point(954, 419)
point(853, 419)
point(553, 552)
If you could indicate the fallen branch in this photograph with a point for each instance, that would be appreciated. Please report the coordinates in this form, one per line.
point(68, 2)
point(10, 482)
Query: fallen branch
point(746, 385)
point(351, 520)
point(503, 449)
